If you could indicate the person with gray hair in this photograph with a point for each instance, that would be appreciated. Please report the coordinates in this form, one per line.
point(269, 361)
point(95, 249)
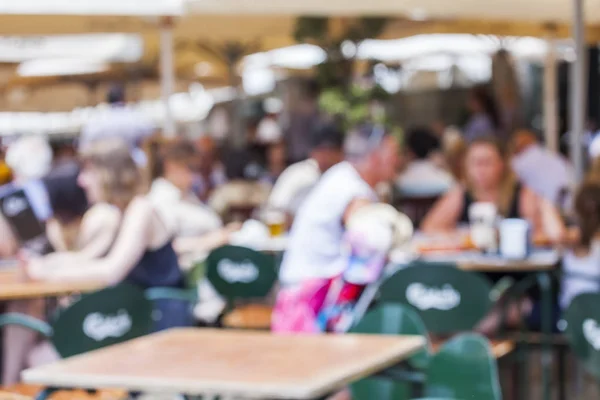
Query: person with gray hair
point(314, 252)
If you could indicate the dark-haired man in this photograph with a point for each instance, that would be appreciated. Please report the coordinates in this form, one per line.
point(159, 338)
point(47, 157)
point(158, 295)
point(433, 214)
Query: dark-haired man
point(422, 177)
point(297, 180)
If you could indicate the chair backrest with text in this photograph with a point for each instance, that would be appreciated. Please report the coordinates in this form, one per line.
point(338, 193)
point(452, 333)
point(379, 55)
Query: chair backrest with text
point(241, 273)
point(102, 318)
point(583, 330)
point(446, 298)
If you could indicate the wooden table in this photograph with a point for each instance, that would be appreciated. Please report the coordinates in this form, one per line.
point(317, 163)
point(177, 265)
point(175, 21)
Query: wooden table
point(235, 363)
point(540, 260)
point(12, 287)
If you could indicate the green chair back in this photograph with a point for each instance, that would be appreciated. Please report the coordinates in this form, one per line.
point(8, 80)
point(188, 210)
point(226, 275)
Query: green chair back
point(446, 298)
point(583, 330)
point(464, 368)
point(240, 273)
point(103, 318)
point(396, 319)
point(390, 319)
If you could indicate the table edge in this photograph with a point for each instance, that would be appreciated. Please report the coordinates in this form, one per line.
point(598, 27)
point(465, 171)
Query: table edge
point(298, 391)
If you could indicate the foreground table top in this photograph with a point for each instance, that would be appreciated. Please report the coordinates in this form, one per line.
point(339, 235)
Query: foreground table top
point(239, 363)
point(12, 287)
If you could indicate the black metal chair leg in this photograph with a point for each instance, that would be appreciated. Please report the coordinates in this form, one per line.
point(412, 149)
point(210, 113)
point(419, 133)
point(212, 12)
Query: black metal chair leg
point(562, 390)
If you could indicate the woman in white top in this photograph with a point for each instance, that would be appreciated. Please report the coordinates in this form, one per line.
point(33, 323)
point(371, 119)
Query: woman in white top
point(197, 227)
point(581, 265)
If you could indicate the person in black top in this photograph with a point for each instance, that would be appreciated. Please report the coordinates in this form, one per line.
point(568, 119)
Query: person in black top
point(490, 179)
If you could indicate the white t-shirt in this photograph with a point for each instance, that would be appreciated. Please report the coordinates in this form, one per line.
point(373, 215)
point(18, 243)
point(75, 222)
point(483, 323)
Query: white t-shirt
point(424, 178)
point(185, 215)
point(545, 172)
point(293, 186)
point(580, 275)
point(314, 244)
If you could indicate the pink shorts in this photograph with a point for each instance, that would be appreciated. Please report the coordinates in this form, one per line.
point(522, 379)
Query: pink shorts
point(298, 306)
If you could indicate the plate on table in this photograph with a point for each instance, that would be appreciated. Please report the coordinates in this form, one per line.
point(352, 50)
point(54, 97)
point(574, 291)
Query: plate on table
point(447, 243)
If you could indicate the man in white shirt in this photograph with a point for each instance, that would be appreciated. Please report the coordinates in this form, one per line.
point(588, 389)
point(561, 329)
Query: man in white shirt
point(314, 256)
point(314, 245)
point(295, 182)
point(547, 173)
point(422, 177)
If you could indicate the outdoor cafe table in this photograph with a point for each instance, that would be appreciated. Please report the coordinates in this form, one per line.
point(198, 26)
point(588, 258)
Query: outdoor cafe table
point(13, 287)
point(247, 364)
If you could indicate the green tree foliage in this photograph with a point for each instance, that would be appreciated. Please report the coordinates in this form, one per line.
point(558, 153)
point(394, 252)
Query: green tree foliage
point(341, 96)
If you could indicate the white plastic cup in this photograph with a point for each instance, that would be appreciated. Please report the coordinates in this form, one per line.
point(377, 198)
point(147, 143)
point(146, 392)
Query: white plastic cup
point(515, 238)
point(482, 223)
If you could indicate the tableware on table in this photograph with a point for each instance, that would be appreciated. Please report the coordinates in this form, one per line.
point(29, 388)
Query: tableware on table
point(483, 218)
point(275, 221)
point(515, 238)
point(445, 243)
point(253, 234)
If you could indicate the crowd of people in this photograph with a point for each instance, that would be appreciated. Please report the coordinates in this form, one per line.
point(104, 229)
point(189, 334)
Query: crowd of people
point(125, 205)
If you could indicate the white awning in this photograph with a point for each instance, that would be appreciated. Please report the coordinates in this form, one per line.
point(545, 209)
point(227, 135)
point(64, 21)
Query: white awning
point(106, 47)
point(508, 10)
point(93, 7)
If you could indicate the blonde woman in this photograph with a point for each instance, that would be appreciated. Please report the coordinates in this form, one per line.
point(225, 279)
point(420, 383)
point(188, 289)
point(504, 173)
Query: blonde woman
point(489, 179)
point(74, 231)
point(142, 252)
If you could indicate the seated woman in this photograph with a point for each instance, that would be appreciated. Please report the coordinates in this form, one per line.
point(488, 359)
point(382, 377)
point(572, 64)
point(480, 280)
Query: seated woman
point(71, 228)
point(489, 179)
point(142, 252)
point(197, 228)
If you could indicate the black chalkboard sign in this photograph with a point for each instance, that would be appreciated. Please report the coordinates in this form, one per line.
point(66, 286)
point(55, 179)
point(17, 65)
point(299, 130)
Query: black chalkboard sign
point(18, 212)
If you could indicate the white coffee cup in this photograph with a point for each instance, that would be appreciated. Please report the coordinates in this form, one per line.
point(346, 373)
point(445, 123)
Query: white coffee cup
point(515, 238)
point(482, 222)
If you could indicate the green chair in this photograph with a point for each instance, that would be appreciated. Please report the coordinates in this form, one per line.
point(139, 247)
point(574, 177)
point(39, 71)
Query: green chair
point(104, 318)
point(390, 319)
point(446, 298)
point(242, 274)
point(109, 316)
point(583, 330)
point(464, 368)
